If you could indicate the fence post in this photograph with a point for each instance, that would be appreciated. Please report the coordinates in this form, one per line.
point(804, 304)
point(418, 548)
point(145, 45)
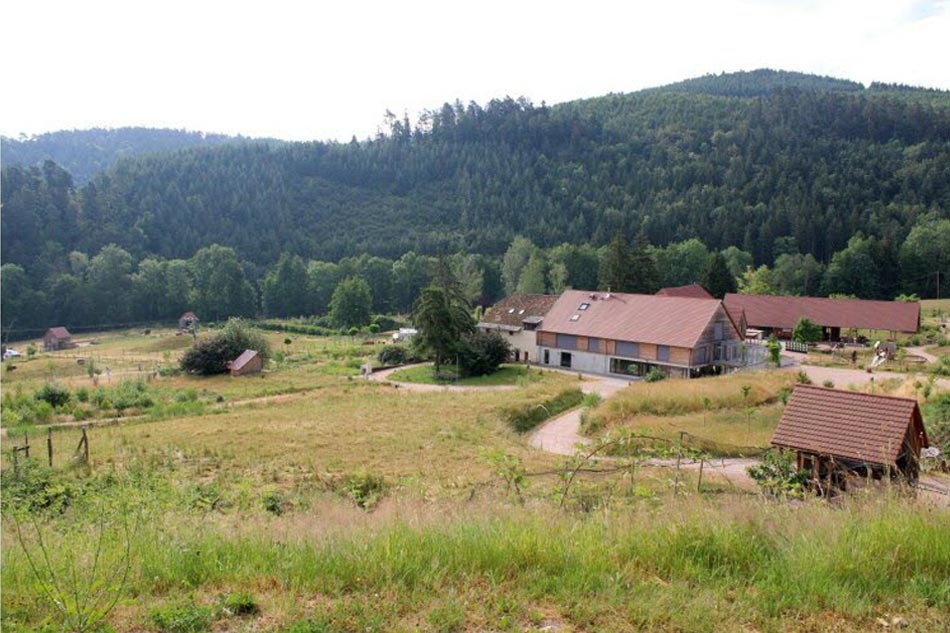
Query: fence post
point(49, 445)
point(85, 443)
point(26, 444)
point(699, 484)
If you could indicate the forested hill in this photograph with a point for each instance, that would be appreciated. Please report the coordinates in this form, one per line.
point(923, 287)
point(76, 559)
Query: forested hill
point(84, 153)
point(805, 166)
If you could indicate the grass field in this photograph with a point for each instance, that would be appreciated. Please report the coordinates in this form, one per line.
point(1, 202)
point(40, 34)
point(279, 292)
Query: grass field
point(506, 375)
point(332, 503)
point(738, 412)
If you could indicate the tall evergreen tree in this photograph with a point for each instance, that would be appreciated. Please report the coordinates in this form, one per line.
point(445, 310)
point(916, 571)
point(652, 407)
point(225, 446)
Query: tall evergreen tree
point(645, 276)
point(717, 278)
point(616, 266)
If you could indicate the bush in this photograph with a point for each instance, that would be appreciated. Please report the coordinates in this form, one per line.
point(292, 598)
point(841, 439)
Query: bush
point(274, 502)
point(366, 489)
point(373, 328)
point(182, 618)
point(386, 323)
point(82, 394)
point(525, 417)
point(807, 331)
point(393, 355)
point(55, 395)
point(480, 353)
point(654, 375)
point(829, 383)
point(287, 341)
point(238, 604)
point(212, 355)
point(777, 474)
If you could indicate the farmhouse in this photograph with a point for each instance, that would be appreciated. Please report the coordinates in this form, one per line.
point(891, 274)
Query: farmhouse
point(57, 338)
point(186, 321)
point(517, 318)
point(779, 314)
point(839, 433)
point(249, 362)
point(692, 290)
point(628, 334)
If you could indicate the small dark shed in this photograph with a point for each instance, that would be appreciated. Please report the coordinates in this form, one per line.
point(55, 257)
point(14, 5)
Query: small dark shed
point(839, 433)
point(249, 362)
point(186, 321)
point(57, 338)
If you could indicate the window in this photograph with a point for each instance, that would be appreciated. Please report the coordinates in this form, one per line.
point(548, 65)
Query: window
point(593, 344)
point(547, 357)
point(566, 341)
point(511, 310)
point(575, 317)
point(565, 360)
point(630, 350)
point(530, 327)
point(717, 352)
point(583, 306)
point(520, 311)
point(663, 353)
point(717, 328)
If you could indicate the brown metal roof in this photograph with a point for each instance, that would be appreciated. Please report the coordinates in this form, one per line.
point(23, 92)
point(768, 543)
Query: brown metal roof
point(59, 332)
point(676, 321)
point(692, 290)
point(243, 359)
point(859, 426)
point(514, 309)
point(784, 312)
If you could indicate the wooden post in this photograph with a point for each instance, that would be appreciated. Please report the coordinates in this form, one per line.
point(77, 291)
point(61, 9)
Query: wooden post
point(26, 444)
point(699, 484)
point(85, 444)
point(49, 446)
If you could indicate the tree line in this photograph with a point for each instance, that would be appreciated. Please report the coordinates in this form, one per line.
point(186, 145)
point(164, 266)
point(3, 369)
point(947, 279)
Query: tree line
point(111, 288)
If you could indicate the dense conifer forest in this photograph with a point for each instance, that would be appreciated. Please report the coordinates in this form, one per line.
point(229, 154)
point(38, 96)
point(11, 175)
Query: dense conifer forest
point(803, 184)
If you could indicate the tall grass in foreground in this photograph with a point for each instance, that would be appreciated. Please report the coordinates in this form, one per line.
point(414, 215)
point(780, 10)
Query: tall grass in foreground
point(696, 566)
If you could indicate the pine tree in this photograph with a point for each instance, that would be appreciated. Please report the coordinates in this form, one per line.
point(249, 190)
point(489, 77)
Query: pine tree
point(646, 277)
point(615, 266)
point(716, 278)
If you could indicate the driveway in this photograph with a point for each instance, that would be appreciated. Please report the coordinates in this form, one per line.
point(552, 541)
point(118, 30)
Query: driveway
point(561, 435)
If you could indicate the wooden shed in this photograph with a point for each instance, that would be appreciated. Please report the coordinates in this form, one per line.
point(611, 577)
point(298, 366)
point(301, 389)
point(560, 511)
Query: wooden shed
point(837, 434)
point(187, 321)
point(249, 362)
point(57, 338)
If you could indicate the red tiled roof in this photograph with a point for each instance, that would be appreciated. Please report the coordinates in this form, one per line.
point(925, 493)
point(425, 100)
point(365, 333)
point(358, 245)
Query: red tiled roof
point(784, 312)
point(59, 332)
point(858, 426)
point(676, 321)
point(243, 359)
point(514, 309)
point(692, 290)
point(189, 315)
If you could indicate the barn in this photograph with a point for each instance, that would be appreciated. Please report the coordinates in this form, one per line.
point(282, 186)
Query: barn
point(695, 291)
point(249, 362)
point(840, 434)
point(57, 338)
point(776, 314)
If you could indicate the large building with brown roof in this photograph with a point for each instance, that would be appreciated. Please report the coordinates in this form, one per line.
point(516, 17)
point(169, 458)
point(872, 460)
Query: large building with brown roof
point(516, 318)
point(628, 334)
point(837, 432)
point(780, 314)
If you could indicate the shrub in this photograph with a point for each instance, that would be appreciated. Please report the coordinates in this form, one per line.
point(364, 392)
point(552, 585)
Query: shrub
point(182, 618)
point(393, 355)
point(131, 395)
point(274, 502)
point(82, 394)
point(802, 378)
point(373, 328)
point(212, 355)
point(480, 353)
point(777, 474)
point(287, 341)
point(829, 383)
point(30, 350)
point(55, 395)
point(654, 375)
point(807, 331)
point(353, 331)
point(366, 489)
point(238, 604)
point(526, 416)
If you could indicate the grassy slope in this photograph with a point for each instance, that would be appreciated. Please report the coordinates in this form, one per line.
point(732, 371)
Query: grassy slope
point(429, 558)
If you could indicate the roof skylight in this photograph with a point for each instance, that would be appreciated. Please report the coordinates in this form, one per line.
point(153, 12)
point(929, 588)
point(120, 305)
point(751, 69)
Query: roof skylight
point(575, 317)
point(583, 306)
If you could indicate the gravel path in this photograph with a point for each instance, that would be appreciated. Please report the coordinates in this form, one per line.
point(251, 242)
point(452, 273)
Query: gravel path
point(383, 376)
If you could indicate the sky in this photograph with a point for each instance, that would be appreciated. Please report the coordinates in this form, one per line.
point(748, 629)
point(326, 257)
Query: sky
point(330, 70)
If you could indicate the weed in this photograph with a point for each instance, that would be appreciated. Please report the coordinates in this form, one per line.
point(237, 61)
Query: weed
point(183, 617)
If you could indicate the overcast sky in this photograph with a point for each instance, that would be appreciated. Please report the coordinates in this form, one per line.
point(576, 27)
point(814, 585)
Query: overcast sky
point(309, 70)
